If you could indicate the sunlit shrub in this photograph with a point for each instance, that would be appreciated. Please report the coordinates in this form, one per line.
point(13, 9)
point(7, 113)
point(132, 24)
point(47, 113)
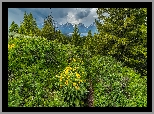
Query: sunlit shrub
point(73, 83)
point(115, 85)
point(33, 64)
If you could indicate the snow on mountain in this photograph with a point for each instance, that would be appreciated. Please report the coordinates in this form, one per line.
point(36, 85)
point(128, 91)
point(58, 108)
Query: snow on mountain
point(69, 28)
point(81, 34)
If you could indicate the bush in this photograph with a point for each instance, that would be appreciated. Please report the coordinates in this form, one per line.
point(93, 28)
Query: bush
point(50, 74)
point(115, 85)
point(32, 68)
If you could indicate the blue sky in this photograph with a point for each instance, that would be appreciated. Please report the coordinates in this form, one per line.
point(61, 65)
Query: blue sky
point(61, 15)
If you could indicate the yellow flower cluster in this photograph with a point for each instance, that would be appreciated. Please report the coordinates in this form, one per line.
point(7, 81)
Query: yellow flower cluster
point(77, 75)
point(67, 70)
point(74, 60)
point(11, 46)
point(66, 74)
point(66, 82)
point(76, 86)
point(80, 81)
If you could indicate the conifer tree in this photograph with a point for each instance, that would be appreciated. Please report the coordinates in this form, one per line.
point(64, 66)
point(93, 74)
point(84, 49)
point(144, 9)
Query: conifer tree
point(76, 36)
point(21, 29)
point(24, 25)
point(33, 28)
point(124, 35)
point(61, 38)
point(48, 30)
point(88, 40)
point(13, 27)
point(29, 25)
point(38, 32)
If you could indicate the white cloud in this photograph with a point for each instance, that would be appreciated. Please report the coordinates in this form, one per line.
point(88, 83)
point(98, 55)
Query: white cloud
point(61, 15)
point(71, 18)
point(93, 10)
point(91, 17)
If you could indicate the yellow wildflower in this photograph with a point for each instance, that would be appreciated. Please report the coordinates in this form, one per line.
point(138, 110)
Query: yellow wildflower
point(66, 82)
point(77, 87)
point(60, 85)
point(80, 81)
point(74, 69)
point(74, 60)
point(74, 84)
point(78, 75)
point(68, 77)
point(61, 78)
point(69, 68)
point(12, 45)
point(66, 72)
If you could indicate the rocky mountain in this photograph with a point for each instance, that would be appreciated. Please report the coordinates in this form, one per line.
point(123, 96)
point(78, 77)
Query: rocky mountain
point(67, 28)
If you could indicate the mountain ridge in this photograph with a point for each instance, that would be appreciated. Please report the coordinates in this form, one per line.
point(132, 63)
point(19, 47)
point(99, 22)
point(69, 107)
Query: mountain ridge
point(68, 28)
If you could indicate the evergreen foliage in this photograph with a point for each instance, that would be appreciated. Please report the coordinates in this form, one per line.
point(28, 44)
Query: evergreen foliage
point(76, 36)
point(123, 35)
point(88, 40)
point(28, 26)
point(13, 27)
point(48, 30)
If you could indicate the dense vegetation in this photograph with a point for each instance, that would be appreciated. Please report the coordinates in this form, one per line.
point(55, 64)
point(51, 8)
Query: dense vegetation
point(49, 69)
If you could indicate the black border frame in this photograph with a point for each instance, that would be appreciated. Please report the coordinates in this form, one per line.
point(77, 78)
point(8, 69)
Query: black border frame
point(6, 5)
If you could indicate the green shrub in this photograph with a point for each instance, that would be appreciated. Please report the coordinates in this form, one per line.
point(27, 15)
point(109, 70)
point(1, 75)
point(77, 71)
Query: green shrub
point(73, 84)
point(115, 85)
point(51, 74)
point(33, 64)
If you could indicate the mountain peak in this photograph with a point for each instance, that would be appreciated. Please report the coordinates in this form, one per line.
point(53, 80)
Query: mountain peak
point(69, 27)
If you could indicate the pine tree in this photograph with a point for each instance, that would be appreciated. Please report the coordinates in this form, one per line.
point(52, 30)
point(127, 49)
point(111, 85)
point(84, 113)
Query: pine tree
point(89, 34)
point(60, 37)
point(76, 36)
point(93, 43)
point(48, 30)
point(25, 24)
point(21, 29)
point(124, 35)
point(13, 27)
point(38, 32)
point(33, 28)
point(29, 25)
point(88, 40)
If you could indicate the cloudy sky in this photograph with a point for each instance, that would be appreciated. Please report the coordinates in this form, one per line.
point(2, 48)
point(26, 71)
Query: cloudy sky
point(61, 15)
